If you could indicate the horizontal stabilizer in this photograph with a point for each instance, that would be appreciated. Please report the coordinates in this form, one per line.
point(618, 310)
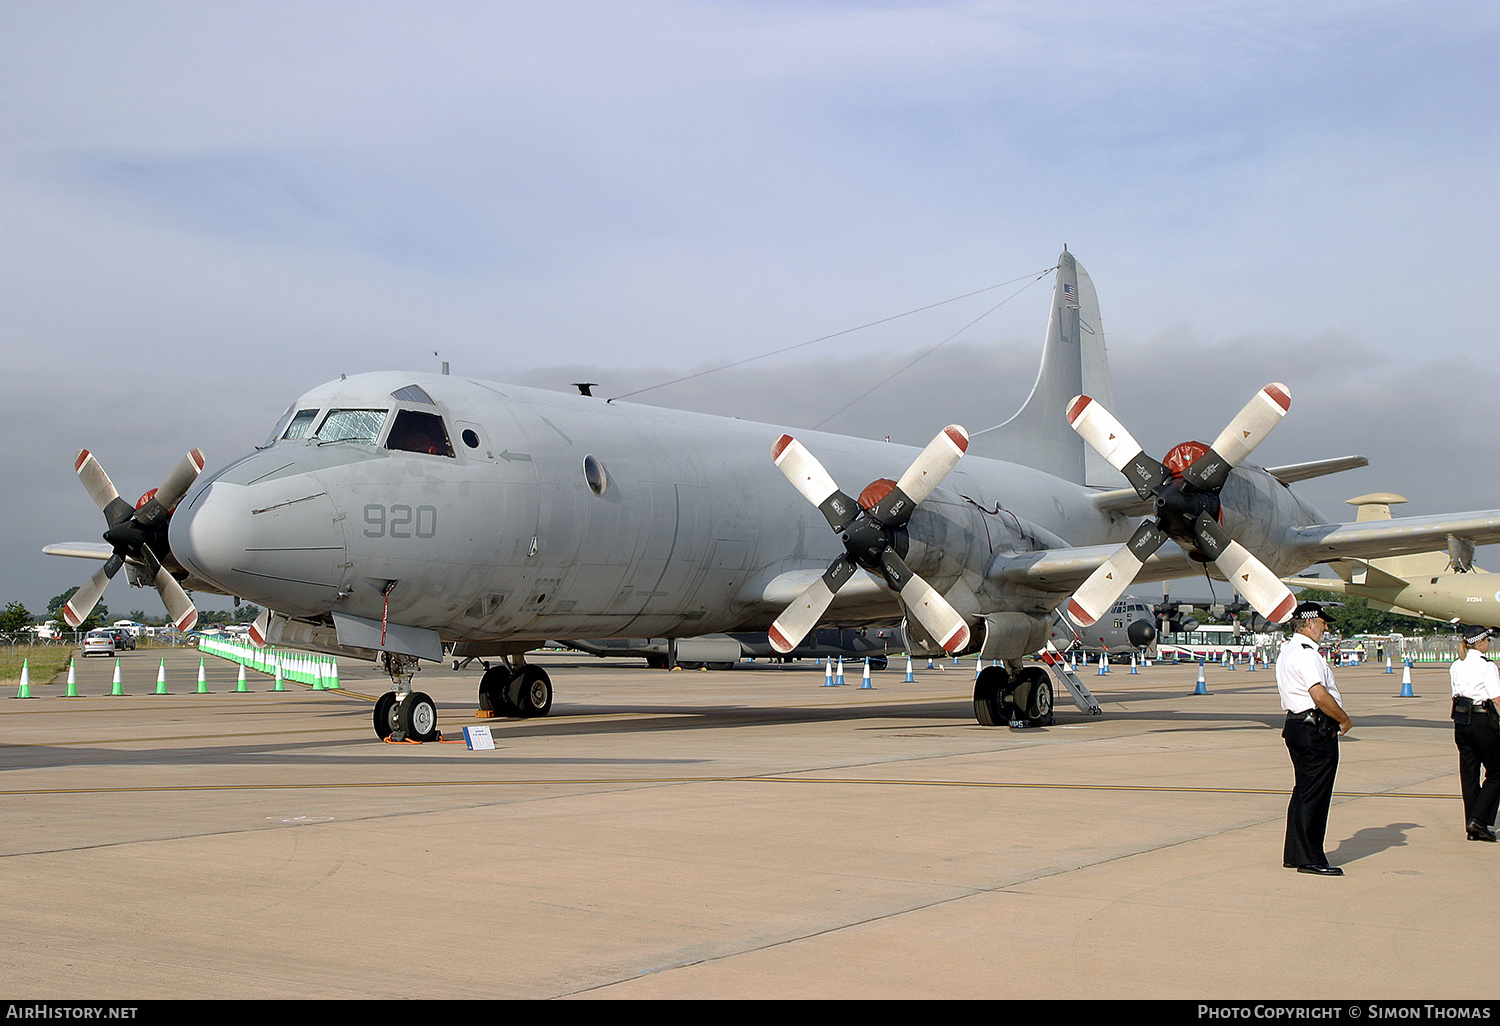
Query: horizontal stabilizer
point(80, 550)
point(1294, 472)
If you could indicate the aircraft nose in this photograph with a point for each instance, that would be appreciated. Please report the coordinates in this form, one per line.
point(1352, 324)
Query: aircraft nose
point(277, 542)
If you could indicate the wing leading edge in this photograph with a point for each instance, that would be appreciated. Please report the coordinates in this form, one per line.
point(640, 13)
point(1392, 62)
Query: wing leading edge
point(1062, 570)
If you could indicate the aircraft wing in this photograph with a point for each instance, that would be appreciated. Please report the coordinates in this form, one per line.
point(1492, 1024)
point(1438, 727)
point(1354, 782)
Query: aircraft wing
point(1372, 539)
point(1064, 570)
point(779, 587)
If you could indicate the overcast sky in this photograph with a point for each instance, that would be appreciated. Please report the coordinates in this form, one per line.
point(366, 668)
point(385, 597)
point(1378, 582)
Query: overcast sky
point(208, 208)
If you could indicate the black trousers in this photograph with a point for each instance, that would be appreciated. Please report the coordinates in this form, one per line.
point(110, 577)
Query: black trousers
point(1479, 745)
point(1315, 761)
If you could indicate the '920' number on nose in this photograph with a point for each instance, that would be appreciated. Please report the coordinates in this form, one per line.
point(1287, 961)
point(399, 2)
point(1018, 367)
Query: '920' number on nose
point(400, 521)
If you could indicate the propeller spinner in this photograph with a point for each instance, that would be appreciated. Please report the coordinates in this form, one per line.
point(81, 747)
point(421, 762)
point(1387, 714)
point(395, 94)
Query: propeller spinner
point(132, 532)
point(868, 529)
point(1186, 488)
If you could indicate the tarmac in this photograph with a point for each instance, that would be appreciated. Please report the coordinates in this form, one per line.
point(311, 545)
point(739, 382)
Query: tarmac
point(747, 833)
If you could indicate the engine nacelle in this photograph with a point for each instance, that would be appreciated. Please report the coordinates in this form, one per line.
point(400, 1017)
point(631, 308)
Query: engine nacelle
point(1013, 635)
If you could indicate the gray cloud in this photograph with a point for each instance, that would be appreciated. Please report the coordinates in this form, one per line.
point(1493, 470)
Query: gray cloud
point(209, 209)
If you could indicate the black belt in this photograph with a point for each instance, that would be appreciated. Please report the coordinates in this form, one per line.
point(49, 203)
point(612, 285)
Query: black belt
point(1325, 724)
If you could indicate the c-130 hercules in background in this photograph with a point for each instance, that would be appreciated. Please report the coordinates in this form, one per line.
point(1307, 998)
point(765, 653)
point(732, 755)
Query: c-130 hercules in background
point(392, 514)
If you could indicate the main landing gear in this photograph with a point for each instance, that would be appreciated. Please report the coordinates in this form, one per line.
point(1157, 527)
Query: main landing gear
point(515, 688)
point(1022, 699)
point(509, 688)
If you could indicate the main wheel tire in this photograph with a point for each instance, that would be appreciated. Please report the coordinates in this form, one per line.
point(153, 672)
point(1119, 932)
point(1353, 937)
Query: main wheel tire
point(417, 716)
point(1033, 697)
point(494, 691)
point(991, 697)
point(385, 715)
point(531, 692)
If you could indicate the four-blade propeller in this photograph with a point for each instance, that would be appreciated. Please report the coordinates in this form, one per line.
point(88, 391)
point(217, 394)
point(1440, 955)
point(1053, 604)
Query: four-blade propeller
point(1186, 489)
point(132, 533)
point(869, 530)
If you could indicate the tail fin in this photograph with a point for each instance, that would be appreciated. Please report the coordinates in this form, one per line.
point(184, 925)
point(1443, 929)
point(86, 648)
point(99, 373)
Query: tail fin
point(1074, 362)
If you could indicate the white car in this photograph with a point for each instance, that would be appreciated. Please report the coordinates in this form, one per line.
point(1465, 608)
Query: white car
point(99, 642)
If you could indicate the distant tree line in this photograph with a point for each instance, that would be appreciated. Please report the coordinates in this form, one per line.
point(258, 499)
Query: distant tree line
point(15, 617)
point(1350, 615)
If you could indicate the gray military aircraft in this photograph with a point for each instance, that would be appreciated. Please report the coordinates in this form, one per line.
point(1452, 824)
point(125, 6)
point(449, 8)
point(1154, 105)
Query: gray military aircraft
point(1440, 585)
point(396, 513)
point(1128, 626)
point(722, 651)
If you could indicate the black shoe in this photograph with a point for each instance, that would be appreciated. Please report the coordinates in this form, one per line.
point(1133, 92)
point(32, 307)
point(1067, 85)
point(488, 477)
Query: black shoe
point(1323, 870)
point(1480, 832)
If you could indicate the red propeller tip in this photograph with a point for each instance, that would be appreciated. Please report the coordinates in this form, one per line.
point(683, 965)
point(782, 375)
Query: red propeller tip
point(1076, 408)
point(779, 641)
point(957, 640)
point(1080, 616)
point(83, 457)
point(780, 446)
point(958, 436)
point(1279, 396)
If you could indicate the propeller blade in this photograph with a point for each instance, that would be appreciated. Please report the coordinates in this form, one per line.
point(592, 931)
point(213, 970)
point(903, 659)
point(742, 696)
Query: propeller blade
point(925, 604)
point(101, 489)
point(1247, 430)
point(807, 475)
point(171, 490)
point(1109, 439)
point(82, 603)
point(179, 607)
point(260, 630)
point(926, 472)
point(1093, 599)
point(1250, 577)
point(807, 608)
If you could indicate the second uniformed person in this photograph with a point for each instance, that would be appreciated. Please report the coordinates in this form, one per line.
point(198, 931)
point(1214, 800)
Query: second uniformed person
point(1476, 731)
point(1315, 719)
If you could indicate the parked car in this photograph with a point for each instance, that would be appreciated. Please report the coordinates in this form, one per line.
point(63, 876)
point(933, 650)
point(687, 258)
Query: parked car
point(99, 642)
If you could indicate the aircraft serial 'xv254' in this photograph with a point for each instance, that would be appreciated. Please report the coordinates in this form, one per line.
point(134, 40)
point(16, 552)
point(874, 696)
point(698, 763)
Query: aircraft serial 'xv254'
point(398, 513)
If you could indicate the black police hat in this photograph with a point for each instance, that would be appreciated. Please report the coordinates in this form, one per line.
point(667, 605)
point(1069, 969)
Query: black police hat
point(1308, 611)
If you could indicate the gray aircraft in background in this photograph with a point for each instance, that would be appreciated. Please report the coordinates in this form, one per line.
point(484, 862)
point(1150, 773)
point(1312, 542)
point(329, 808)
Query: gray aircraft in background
point(405, 515)
point(721, 651)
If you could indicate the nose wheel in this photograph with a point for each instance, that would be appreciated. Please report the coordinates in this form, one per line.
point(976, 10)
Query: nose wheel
point(412, 718)
point(402, 714)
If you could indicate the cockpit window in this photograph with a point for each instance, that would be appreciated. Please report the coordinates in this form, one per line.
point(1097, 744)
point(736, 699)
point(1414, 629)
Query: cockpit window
point(300, 425)
point(352, 426)
point(419, 432)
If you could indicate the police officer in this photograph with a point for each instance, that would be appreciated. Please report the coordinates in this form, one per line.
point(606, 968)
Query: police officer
point(1315, 719)
point(1476, 730)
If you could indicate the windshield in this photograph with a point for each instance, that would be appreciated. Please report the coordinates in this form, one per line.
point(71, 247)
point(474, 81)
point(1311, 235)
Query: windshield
point(300, 425)
point(352, 426)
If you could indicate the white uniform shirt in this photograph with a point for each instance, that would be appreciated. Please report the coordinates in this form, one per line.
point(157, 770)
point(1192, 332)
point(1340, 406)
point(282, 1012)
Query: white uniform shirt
point(1299, 666)
point(1475, 677)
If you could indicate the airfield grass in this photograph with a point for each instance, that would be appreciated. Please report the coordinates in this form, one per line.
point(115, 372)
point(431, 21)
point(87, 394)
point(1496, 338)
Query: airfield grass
point(45, 662)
